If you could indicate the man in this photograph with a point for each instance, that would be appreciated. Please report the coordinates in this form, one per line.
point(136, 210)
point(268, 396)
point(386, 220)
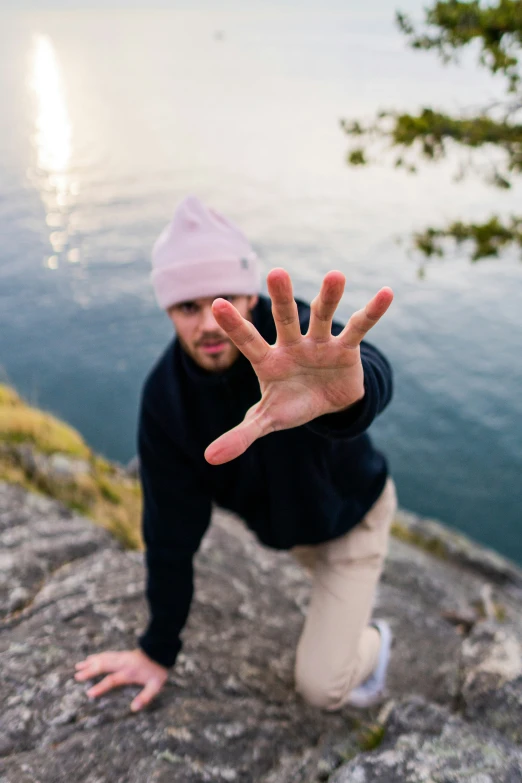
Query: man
point(263, 410)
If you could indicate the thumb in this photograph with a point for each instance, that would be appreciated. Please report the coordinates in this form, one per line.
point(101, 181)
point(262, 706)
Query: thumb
point(144, 697)
point(237, 440)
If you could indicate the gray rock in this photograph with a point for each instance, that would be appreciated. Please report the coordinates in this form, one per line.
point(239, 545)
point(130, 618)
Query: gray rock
point(229, 711)
point(133, 467)
point(492, 679)
point(427, 743)
point(37, 536)
point(64, 466)
point(56, 467)
point(456, 546)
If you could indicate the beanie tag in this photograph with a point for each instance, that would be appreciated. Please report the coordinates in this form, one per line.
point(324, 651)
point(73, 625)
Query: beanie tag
point(244, 263)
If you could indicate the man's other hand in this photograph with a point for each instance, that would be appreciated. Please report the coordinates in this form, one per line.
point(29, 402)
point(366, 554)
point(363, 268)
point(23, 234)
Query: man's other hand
point(129, 667)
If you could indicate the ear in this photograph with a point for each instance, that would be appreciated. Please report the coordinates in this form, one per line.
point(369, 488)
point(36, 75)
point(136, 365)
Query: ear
point(252, 301)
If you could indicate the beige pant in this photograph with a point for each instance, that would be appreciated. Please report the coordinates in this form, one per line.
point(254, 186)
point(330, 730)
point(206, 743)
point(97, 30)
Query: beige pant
point(338, 649)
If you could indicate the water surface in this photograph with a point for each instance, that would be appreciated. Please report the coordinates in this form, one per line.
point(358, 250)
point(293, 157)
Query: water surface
point(110, 117)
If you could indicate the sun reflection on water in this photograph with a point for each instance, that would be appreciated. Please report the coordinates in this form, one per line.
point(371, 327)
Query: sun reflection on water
point(54, 132)
point(53, 142)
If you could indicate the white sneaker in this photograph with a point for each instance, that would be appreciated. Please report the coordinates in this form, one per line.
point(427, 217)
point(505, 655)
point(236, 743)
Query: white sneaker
point(372, 689)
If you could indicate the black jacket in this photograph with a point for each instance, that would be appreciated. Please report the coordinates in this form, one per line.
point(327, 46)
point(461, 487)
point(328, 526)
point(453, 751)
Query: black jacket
point(304, 485)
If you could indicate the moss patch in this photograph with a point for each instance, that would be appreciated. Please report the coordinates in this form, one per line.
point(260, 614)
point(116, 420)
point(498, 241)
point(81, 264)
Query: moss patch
point(430, 544)
point(109, 492)
point(371, 736)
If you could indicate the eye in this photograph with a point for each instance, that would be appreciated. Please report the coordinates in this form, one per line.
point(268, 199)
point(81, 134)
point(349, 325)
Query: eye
point(230, 297)
point(188, 308)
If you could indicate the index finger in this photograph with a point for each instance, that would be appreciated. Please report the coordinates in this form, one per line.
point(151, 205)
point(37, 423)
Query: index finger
point(108, 683)
point(243, 333)
point(362, 321)
point(144, 697)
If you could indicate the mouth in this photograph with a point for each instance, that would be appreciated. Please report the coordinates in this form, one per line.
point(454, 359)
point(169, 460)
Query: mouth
point(213, 347)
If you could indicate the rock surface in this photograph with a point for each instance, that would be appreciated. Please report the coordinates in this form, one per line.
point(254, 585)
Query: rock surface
point(229, 711)
point(37, 536)
point(425, 742)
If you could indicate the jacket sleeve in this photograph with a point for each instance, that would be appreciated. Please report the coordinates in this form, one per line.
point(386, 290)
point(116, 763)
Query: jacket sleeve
point(378, 388)
point(176, 515)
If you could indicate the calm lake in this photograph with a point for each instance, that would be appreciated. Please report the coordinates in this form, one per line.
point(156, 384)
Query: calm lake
point(109, 118)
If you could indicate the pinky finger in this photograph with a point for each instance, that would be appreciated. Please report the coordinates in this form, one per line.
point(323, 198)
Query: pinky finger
point(145, 696)
point(363, 320)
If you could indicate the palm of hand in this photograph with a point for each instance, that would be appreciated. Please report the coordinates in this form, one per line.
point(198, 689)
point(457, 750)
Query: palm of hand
point(307, 379)
point(302, 376)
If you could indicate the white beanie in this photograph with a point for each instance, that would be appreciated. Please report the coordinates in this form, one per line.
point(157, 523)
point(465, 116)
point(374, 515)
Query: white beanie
point(201, 253)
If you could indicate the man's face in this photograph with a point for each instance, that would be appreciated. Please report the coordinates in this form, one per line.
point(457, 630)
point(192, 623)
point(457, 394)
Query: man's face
point(201, 336)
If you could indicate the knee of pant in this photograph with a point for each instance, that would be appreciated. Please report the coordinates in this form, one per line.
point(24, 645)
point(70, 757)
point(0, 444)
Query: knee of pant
point(316, 691)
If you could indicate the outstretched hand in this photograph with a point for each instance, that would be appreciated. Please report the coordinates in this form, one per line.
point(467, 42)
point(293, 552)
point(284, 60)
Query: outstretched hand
point(301, 376)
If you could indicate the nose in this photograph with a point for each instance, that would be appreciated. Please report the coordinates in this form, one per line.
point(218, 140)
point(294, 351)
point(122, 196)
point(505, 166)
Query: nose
point(209, 323)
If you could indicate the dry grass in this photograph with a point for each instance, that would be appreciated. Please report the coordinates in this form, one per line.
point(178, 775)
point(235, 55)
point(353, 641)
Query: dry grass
point(111, 499)
point(19, 423)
